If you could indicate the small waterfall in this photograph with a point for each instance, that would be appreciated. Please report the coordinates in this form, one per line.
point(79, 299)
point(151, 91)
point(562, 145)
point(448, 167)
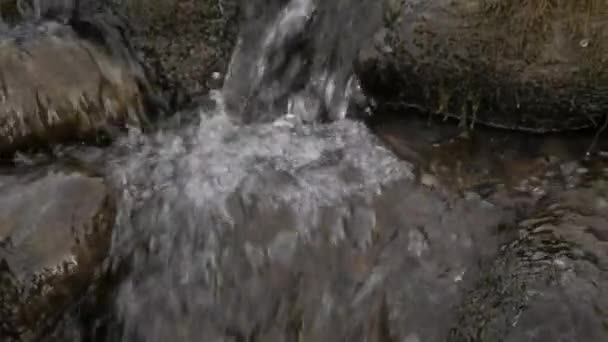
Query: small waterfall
point(196, 199)
point(201, 215)
point(296, 57)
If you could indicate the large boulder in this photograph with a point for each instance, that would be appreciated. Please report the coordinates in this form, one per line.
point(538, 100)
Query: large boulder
point(69, 81)
point(526, 65)
point(55, 230)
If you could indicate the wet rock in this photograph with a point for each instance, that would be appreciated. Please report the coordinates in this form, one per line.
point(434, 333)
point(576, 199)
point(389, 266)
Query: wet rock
point(511, 64)
point(546, 282)
point(550, 283)
point(63, 82)
point(55, 229)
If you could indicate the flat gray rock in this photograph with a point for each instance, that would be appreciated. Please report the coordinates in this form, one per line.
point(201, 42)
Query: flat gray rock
point(55, 229)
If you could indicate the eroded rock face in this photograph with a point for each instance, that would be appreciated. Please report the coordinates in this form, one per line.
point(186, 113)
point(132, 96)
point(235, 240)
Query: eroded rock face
point(67, 82)
point(523, 65)
point(55, 230)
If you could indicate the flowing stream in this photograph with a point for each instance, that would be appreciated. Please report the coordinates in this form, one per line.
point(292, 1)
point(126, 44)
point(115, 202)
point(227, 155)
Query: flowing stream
point(273, 216)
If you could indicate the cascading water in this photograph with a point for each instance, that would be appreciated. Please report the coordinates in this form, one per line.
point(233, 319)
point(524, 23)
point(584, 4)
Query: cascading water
point(215, 208)
point(252, 232)
point(298, 58)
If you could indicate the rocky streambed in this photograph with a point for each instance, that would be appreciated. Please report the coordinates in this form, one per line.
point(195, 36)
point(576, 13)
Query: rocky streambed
point(197, 227)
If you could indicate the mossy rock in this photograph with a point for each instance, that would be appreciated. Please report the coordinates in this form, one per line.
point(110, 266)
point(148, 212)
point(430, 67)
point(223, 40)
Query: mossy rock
point(525, 65)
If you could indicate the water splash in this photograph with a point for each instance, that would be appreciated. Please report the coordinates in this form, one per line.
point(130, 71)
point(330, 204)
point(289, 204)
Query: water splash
point(243, 232)
point(179, 224)
point(283, 229)
point(195, 198)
